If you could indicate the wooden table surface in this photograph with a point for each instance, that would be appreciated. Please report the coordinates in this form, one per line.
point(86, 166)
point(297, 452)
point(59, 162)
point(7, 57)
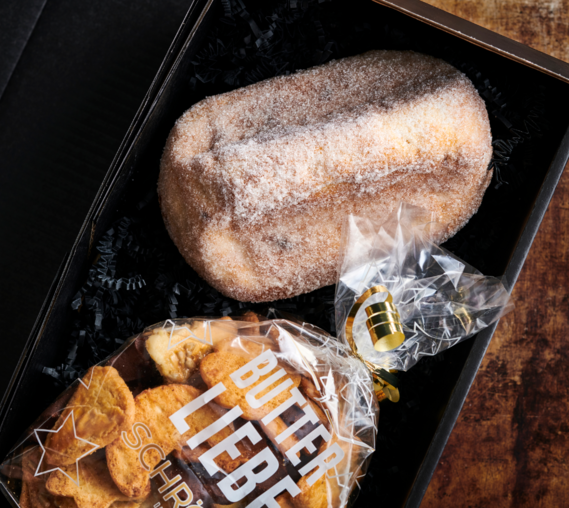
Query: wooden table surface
point(510, 446)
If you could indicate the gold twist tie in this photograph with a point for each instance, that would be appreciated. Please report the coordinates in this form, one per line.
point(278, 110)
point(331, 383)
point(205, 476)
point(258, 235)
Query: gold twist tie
point(385, 385)
point(384, 326)
point(383, 322)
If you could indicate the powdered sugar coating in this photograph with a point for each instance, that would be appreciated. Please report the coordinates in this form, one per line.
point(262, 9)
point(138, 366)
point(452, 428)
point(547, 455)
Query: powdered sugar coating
point(255, 184)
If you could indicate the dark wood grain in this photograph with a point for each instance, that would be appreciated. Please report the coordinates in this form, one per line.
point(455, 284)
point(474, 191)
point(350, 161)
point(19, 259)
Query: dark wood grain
point(510, 446)
point(541, 24)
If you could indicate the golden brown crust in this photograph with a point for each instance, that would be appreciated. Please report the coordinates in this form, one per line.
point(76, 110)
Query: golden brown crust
point(69, 502)
point(102, 407)
point(217, 367)
point(95, 488)
point(246, 450)
point(276, 427)
point(284, 500)
point(176, 354)
point(153, 409)
point(311, 496)
point(255, 184)
point(126, 504)
point(34, 494)
point(248, 349)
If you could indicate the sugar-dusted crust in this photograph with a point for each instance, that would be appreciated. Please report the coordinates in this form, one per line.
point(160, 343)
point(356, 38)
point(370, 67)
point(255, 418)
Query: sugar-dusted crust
point(255, 184)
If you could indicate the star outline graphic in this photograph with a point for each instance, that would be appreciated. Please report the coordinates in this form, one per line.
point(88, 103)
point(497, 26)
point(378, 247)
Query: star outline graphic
point(174, 328)
point(95, 446)
point(90, 380)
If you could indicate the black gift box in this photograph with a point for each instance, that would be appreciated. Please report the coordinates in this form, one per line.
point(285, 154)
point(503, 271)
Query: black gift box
point(529, 118)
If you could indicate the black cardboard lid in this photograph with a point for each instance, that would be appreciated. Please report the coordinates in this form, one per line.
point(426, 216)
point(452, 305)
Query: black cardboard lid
point(74, 74)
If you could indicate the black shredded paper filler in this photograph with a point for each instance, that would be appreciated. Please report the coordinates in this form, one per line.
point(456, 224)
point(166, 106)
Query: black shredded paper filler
point(138, 277)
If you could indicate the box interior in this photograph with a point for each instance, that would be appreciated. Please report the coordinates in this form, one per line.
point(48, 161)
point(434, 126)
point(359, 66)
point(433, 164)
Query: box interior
point(528, 114)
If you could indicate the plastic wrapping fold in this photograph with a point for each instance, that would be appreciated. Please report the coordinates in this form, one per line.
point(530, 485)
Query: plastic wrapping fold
point(205, 413)
point(400, 296)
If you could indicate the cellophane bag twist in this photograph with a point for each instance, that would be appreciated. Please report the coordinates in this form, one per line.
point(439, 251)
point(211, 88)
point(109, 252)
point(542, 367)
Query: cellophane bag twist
point(439, 299)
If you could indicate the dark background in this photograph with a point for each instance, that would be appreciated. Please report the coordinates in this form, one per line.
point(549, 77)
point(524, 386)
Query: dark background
point(72, 75)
